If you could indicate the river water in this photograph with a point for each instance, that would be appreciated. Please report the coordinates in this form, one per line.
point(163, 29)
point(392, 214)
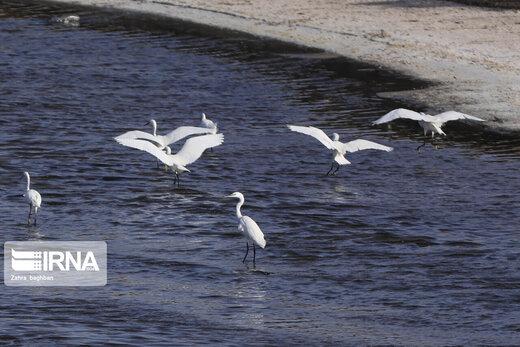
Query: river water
point(397, 248)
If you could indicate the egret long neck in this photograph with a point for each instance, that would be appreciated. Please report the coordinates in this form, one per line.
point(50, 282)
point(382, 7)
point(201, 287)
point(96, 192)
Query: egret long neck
point(28, 181)
point(239, 205)
point(154, 129)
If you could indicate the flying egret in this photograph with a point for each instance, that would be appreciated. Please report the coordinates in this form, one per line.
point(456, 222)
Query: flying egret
point(161, 141)
point(338, 148)
point(248, 227)
point(209, 124)
point(432, 124)
point(33, 198)
point(189, 153)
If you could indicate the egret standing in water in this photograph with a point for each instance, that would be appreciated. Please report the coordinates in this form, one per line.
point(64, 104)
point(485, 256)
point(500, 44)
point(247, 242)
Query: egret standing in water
point(432, 124)
point(33, 198)
point(338, 148)
point(248, 228)
point(189, 153)
point(208, 123)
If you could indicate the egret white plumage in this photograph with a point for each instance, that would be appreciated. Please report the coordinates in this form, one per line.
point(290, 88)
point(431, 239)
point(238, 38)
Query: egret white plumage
point(189, 153)
point(33, 198)
point(432, 124)
point(161, 141)
point(248, 227)
point(338, 148)
point(208, 123)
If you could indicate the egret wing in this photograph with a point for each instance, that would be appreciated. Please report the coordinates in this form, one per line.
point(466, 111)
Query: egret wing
point(252, 231)
point(195, 146)
point(360, 144)
point(182, 132)
point(318, 134)
point(403, 113)
point(454, 115)
point(147, 147)
point(139, 135)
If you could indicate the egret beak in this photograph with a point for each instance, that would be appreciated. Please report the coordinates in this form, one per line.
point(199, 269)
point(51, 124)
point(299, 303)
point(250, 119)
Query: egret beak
point(147, 123)
point(230, 196)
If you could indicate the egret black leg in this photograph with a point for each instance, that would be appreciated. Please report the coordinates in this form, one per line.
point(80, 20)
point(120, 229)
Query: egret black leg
point(254, 255)
point(35, 215)
point(29, 216)
point(178, 180)
point(247, 251)
point(331, 167)
point(337, 168)
point(424, 144)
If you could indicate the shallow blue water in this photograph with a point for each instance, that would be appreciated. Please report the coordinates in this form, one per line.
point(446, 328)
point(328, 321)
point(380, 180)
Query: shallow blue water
point(398, 248)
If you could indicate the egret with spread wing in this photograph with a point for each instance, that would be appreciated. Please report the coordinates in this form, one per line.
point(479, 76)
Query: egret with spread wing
point(189, 153)
point(33, 198)
point(338, 148)
point(432, 124)
point(161, 141)
point(248, 227)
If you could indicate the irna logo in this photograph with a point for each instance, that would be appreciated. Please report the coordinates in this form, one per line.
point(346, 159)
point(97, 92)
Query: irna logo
point(53, 261)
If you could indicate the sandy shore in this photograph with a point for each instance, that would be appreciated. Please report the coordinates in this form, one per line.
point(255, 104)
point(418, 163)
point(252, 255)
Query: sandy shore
point(471, 53)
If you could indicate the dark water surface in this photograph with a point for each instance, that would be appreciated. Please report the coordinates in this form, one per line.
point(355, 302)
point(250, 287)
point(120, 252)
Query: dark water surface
point(398, 248)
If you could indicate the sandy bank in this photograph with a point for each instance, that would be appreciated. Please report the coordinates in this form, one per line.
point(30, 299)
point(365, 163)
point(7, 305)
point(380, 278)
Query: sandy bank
point(471, 53)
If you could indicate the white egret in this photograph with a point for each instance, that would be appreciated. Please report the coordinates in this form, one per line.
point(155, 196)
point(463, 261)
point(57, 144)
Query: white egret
point(189, 153)
point(208, 123)
point(338, 148)
point(248, 227)
point(161, 141)
point(33, 198)
point(432, 124)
